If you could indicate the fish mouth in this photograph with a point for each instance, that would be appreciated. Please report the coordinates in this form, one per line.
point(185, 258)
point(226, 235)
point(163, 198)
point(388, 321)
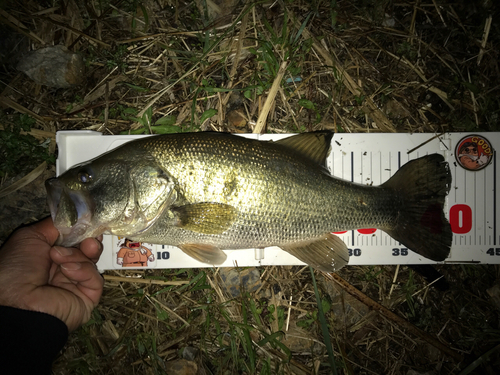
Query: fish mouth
point(71, 212)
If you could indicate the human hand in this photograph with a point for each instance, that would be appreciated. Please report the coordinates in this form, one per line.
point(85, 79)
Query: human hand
point(36, 275)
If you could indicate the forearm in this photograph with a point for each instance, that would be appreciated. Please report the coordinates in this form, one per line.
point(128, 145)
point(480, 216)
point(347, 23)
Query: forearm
point(29, 340)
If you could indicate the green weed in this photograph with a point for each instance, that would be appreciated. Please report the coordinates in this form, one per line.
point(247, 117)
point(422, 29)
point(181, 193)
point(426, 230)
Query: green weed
point(164, 125)
point(324, 326)
point(21, 153)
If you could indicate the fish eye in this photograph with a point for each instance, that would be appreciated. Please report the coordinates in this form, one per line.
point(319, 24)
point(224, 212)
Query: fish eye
point(84, 177)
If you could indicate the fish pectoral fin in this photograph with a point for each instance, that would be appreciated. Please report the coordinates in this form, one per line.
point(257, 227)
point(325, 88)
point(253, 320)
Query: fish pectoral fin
point(205, 218)
point(328, 253)
point(204, 253)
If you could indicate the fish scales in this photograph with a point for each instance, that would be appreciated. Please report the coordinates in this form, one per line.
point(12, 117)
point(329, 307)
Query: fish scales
point(207, 192)
point(280, 197)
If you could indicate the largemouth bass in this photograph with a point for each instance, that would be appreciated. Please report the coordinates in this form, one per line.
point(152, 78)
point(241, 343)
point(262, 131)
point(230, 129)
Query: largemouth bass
point(208, 192)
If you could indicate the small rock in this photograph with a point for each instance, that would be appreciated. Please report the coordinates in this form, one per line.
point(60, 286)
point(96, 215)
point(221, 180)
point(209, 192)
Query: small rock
point(388, 21)
point(298, 340)
point(235, 119)
point(395, 109)
point(235, 279)
point(219, 8)
point(189, 353)
point(53, 66)
point(181, 367)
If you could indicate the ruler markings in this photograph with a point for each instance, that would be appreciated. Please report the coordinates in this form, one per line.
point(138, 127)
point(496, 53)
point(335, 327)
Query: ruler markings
point(352, 180)
point(486, 211)
point(495, 197)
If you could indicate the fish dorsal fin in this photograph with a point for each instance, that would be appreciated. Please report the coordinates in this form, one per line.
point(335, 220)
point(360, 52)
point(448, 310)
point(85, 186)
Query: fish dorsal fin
point(314, 146)
point(205, 218)
point(327, 253)
point(204, 253)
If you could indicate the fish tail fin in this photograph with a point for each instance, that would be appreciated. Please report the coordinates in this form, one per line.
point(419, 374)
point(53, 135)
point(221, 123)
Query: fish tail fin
point(421, 186)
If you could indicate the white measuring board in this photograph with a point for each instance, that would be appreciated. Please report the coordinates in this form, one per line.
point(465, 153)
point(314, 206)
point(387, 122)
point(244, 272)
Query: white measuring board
point(471, 205)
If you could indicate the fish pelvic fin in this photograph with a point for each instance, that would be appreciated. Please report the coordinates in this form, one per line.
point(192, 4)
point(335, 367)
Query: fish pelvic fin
point(204, 253)
point(421, 186)
point(328, 253)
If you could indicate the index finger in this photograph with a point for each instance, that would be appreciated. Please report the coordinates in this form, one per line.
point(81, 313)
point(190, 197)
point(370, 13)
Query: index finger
point(46, 229)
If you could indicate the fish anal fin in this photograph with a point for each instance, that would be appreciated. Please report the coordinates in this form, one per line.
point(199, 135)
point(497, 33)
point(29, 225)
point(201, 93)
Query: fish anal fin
point(327, 253)
point(204, 253)
point(205, 218)
point(313, 145)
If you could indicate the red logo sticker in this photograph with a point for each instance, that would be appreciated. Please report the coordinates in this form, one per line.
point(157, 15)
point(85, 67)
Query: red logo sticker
point(473, 152)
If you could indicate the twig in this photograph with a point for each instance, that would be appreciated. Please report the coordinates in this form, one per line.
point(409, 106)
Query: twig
point(339, 72)
point(166, 308)
point(144, 281)
point(473, 98)
point(439, 12)
point(392, 316)
point(435, 90)
point(486, 33)
point(76, 31)
point(413, 19)
point(424, 143)
point(394, 280)
point(18, 26)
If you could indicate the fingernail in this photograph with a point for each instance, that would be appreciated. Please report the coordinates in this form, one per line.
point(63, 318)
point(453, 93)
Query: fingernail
point(99, 243)
point(71, 266)
point(64, 251)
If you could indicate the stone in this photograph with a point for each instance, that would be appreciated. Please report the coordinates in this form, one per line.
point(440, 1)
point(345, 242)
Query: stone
point(189, 353)
point(235, 119)
point(236, 280)
point(298, 340)
point(53, 66)
point(181, 367)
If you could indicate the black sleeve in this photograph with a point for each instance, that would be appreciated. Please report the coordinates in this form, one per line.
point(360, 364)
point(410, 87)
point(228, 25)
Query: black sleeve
point(29, 341)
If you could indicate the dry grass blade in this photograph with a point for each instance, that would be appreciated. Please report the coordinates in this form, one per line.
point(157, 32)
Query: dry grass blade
point(20, 108)
point(19, 184)
point(268, 104)
point(143, 281)
point(161, 66)
point(487, 27)
point(339, 73)
point(15, 23)
point(390, 315)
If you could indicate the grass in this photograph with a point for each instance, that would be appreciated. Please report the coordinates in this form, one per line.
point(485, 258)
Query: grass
point(20, 152)
point(166, 67)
